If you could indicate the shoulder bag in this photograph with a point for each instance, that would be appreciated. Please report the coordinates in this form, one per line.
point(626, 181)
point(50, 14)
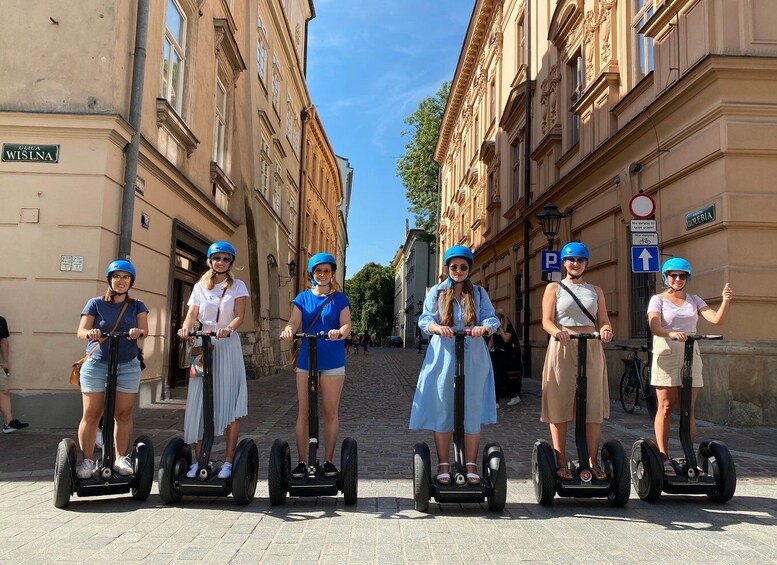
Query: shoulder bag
point(75, 372)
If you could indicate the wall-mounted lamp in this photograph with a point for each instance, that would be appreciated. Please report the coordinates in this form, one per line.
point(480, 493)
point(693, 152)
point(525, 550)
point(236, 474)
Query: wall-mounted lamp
point(550, 220)
point(283, 281)
point(635, 168)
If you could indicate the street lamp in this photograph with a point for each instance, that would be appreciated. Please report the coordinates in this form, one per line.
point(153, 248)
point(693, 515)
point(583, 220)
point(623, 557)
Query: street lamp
point(283, 281)
point(550, 220)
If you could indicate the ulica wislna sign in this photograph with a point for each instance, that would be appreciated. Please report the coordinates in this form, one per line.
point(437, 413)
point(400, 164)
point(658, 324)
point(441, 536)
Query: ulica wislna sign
point(16, 152)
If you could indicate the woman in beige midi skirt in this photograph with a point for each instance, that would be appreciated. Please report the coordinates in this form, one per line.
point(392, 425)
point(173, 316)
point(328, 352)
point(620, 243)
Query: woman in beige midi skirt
point(561, 317)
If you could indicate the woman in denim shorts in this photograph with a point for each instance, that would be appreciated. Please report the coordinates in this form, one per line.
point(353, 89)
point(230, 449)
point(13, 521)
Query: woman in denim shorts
point(99, 316)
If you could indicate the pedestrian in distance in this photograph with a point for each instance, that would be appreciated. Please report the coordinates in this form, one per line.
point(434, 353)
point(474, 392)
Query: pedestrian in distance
point(672, 315)
point(218, 303)
point(506, 358)
point(116, 309)
point(10, 424)
point(348, 344)
point(455, 304)
point(323, 308)
point(562, 315)
point(366, 342)
point(356, 343)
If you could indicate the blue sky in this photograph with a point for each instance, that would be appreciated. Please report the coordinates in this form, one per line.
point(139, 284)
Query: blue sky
point(370, 63)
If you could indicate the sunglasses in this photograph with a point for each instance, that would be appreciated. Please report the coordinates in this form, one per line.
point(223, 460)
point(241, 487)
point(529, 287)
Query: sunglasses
point(460, 268)
point(322, 271)
point(681, 276)
point(117, 277)
point(223, 259)
point(576, 259)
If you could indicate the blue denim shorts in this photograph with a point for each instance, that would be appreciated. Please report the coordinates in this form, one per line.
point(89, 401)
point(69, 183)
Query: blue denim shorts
point(94, 376)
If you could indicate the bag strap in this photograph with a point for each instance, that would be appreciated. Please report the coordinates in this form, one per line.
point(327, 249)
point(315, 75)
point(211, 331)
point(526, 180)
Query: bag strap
point(116, 325)
point(218, 308)
point(577, 300)
point(320, 309)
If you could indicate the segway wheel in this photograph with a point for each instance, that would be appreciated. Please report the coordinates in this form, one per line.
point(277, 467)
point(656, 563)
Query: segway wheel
point(614, 460)
point(721, 464)
point(245, 472)
point(349, 467)
point(64, 473)
point(422, 481)
point(176, 460)
point(143, 468)
point(543, 465)
point(494, 465)
point(647, 473)
point(278, 472)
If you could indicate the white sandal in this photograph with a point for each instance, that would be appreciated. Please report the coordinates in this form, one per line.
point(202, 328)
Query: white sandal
point(473, 478)
point(444, 478)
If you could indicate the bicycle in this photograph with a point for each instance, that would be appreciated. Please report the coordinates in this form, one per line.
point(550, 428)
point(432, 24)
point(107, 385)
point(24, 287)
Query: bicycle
point(635, 381)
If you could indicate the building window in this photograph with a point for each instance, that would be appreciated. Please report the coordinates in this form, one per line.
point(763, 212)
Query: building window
point(576, 74)
point(643, 46)
point(515, 166)
point(521, 43)
point(220, 124)
point(264, 159)
point(289, 119)
point(174, 55)
point(492, 101)
point(276, 82)
point(276, 197)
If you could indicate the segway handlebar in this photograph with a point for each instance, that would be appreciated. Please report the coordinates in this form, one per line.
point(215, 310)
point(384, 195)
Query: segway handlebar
point(592, 335)
point(208, 333)
point(466, 332)
point(319, 335)
point(114, 334)
point(696, 337)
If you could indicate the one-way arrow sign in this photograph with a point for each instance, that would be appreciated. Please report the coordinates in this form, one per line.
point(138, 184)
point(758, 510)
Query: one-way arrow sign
point(644, 259)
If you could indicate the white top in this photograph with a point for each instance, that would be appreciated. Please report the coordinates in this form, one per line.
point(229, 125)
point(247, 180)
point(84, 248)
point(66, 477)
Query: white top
point(568, 313)
point(208, 303)
point(677, 318)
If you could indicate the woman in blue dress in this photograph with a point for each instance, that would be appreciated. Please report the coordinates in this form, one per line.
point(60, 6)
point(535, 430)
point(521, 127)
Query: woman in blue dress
point(455, 304)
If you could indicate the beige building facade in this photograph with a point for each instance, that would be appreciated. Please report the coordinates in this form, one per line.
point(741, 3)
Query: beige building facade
point(221, 158)
point(675, 100)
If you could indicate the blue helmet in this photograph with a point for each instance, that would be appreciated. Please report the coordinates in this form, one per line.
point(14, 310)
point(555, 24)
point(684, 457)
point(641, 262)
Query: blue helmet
point(221, 247)
point(575, 249)
point(460, 251)
point(320, 258)
point(120, 265)
point(675, 264)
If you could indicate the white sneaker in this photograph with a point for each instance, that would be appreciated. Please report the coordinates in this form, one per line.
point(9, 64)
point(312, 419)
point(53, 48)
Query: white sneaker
point(514, 401)
point(85, 469)
point(123, 466)
point(192, 472)
point(98, 440)
point(226, 471)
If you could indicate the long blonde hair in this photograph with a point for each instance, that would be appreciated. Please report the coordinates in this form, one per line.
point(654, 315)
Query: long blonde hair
point(208, 280)
point(445, 305)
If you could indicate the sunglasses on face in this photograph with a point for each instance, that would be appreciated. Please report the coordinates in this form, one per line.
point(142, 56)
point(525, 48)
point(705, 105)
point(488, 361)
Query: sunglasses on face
point(223, 259)
point(576, 259)
point(117, 277)
point(460, 268)
point(680, 276)
point(322, 271)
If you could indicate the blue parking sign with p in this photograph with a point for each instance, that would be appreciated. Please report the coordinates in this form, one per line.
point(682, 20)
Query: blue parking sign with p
point(551, 261)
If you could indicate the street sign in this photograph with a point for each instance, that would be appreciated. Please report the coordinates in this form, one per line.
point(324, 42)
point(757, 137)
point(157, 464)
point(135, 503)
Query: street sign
point(644, 238)
point(642, 225)
point(644, 259)
point(642, 206)
point(551, 261)
point(550, 276)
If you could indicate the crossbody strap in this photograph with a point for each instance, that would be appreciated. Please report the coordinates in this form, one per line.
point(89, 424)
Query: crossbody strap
point(577, 300)
point(320, 309)
point(116, 325)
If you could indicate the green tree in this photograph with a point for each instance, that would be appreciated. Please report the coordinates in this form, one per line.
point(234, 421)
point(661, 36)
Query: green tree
point(417, 167)
point(371, 294)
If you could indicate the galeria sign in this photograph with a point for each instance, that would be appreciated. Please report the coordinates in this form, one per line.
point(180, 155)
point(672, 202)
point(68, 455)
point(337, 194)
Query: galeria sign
point(15, 152)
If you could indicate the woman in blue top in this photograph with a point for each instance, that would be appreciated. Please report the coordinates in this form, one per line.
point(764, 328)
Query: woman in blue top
point(321, 309)
point(99, 316)
point(452, 305)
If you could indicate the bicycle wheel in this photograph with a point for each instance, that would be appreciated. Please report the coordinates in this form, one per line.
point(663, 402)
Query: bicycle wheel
point(629, 390)
point(651, 400)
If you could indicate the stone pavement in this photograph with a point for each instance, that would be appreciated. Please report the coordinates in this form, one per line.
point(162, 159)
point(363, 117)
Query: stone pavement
point(383, 527)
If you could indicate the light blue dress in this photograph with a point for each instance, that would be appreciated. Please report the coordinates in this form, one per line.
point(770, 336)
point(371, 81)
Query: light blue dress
point(433, 400)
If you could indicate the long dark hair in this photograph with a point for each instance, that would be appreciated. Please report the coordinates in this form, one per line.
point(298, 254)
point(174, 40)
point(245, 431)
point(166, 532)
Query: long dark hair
point(445, 305)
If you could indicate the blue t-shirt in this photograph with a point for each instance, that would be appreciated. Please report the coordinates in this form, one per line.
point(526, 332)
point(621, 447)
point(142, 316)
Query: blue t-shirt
point(105, 314)
point(331, 354)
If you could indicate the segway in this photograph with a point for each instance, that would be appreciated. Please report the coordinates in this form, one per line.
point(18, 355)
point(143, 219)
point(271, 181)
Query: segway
point(718, 477)
point(177, 456)
point(616, 488)
point(280, 481)
point(104, 479)
point(493, 483)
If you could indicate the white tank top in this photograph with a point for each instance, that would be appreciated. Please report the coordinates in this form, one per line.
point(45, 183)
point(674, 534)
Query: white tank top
point(568, 313)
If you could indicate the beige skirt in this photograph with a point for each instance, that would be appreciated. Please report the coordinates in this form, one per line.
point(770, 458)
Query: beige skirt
point(559, 377)
point(667, 366)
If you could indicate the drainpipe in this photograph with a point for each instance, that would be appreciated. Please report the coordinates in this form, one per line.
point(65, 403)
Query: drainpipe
point(136, 103)
point(527, 201)
point(304, 115)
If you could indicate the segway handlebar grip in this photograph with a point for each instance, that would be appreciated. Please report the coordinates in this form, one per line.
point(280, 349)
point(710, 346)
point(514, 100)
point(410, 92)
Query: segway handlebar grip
point(114, 334)
point(193, 333)
point(318, 335)
point(466, 332)
point(696, 337)
point(592, 335)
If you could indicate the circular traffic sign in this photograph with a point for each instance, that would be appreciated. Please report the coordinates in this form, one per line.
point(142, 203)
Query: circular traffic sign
point(642, 206)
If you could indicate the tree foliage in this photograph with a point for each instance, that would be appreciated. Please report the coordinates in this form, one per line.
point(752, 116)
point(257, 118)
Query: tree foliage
point(417, 167)
point(371, 294)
